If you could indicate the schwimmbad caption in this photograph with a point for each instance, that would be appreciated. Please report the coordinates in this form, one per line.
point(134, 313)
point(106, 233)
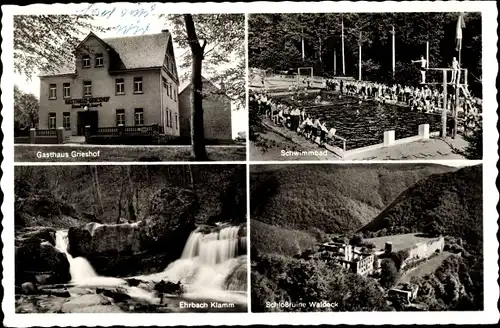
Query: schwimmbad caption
point(292, 153)
point(303, 305)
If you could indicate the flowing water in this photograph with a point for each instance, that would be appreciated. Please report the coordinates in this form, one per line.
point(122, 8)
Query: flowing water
point(213, 266)
point(82, 272)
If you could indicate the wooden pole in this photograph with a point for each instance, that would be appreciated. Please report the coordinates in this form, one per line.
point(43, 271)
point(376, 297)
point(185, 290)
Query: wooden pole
point(320, 51)
point(334, 61)
point(343, 53)
point(360, 56)
point(393, 53)
point(427, 53)
point(445, 103)
point(360, 61)
point(457, 94)
point(303, 55)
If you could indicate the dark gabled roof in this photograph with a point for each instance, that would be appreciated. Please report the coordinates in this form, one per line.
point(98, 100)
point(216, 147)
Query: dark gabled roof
point(129, 52)
point(140, 51)
point(204, 81)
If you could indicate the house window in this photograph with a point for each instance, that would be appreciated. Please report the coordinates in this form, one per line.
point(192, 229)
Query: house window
point(176, 121)
point(67, 120)
point(120, 86)
point(170, 86)
point(87, 88)
point(99, 60)
point(175, 95)
point(66, 90)
point(166, 112)
point(137, 84)
point(86, 61)
point(120, 117)
point(52, 120)
point(139, 116)
point(52, 91)
point(164, 81)
point(170, 118)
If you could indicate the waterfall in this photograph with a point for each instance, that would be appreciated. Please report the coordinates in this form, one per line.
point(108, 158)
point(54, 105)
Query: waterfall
point(212, 265)
point(81, 271)
point(214, 247)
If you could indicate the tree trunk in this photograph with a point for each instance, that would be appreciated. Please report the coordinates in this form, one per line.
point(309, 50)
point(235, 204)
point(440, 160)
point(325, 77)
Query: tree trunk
point(98, 189)
point(191, 179)
point(197, 129)
point(121, 198)
point(131, 210)
point(320, 51)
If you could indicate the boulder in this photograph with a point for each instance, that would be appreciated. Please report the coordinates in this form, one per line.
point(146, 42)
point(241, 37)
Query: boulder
point(168, 287)
point(29, 288)
point(131, 248)
point(236, 280)
point(35, 257)
point(42, 233)
point(38, 304)
point(172, 211)
point(44, 205)
point(76, 304)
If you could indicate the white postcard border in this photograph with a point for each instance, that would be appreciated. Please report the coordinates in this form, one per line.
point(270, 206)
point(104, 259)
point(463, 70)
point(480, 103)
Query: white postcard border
point(490, 172)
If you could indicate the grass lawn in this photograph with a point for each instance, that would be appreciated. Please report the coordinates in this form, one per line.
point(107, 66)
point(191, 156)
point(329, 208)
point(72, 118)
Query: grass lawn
point(96, 153)
point(399, 242)
point(426, 267)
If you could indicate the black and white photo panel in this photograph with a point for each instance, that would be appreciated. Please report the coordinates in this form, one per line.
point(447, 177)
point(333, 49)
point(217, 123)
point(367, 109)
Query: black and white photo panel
point(367, 237)
point(91, 87)
point(140, 239)
point(365, 86)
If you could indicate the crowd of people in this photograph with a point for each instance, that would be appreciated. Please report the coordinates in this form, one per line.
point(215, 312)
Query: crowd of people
point(424, 98)
point(292, 116)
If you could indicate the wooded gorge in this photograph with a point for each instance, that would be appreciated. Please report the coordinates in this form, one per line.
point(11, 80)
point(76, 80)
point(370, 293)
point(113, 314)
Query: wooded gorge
point(62, 196)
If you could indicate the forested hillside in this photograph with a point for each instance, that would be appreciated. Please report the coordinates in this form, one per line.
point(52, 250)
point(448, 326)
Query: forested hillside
point(331, 198)
point(450, 204)
point(274, 42)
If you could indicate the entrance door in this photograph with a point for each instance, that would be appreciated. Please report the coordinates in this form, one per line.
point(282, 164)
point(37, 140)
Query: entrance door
point(90, 118)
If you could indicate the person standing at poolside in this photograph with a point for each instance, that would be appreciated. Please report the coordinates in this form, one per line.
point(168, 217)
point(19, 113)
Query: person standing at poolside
point(423, 66)
point(323, 133)
point(316, 128)
point(454, 70)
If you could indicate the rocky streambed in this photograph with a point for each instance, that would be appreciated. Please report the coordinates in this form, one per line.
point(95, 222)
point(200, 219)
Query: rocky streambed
point(146, 297)
point(163, 263)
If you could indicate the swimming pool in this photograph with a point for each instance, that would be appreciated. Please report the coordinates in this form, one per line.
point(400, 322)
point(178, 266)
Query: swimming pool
point(363, 124)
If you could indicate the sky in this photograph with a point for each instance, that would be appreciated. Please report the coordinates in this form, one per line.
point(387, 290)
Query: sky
point(134, 19)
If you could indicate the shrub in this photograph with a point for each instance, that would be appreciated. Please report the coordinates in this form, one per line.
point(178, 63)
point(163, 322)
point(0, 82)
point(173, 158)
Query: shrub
point(389, 273)
point(356, 240)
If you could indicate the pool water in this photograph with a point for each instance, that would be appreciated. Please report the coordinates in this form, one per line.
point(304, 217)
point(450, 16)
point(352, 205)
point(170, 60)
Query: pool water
point(363, 124)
